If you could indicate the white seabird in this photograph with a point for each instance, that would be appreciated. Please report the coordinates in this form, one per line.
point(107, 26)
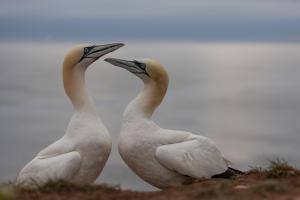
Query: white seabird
point(80, 155)
point(159, 156)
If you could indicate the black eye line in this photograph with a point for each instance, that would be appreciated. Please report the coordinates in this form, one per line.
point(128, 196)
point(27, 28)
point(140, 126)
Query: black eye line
point(141, 66)
point(86, 50)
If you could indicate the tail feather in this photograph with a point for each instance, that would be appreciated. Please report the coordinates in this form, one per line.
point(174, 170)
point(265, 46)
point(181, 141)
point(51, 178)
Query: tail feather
point(239, 172)
point(229, 173)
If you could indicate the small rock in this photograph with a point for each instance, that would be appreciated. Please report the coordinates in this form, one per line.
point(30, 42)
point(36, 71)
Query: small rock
point(241, 187)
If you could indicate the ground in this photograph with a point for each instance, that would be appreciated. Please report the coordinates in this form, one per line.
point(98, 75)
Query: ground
point(279, 181)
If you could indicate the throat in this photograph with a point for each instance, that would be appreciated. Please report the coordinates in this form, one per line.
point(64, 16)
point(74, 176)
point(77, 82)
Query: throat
point(147, 101)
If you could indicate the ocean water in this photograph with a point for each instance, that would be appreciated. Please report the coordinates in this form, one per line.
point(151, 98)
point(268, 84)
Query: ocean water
point(244, 96)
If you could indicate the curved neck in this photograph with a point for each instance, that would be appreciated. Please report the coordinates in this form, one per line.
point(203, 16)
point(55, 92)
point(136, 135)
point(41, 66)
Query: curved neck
point(74, 84)
point(147, 100)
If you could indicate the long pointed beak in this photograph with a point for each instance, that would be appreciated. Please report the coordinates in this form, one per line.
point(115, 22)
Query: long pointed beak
point(97, 51)
point(126, 64)
point(131, 65)
point(106, 48)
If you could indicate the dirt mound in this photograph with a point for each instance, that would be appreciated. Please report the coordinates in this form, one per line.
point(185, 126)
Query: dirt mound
point(278, 181)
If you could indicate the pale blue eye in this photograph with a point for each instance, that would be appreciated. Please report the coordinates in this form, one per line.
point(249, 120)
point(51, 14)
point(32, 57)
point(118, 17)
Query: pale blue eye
point(141, 65)
point(86, 50)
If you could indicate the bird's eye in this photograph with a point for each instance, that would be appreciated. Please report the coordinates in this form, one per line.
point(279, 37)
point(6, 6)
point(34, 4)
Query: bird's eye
point(141, 65)
point(88, 49)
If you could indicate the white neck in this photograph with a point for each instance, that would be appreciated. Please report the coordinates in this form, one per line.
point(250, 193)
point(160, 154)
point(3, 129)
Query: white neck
point(147, 100)
point(74, 84)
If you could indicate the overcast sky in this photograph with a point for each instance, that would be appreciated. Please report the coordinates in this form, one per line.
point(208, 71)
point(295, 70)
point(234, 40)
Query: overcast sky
point(228, 20)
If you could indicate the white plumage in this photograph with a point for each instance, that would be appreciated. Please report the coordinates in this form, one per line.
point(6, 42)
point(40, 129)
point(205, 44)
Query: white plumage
point(159, 156)
point(80, 155)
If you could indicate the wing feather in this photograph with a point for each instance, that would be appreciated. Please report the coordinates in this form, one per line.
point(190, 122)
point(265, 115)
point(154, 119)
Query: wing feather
point(196, 156)
point(49, 168)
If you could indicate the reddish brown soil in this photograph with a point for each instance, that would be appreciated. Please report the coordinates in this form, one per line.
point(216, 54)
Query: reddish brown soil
point(281, 184)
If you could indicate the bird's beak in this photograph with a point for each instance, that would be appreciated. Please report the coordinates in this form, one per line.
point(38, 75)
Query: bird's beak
point(97, 51)
point(133, 66)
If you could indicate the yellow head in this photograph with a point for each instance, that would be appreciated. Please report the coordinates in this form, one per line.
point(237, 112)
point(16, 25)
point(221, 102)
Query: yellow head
point(76, 62)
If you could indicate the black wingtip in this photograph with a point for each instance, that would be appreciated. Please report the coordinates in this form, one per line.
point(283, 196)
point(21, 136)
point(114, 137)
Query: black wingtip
point(229, 173)
point(239, 172)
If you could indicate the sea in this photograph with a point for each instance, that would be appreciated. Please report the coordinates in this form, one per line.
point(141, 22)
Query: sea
point(243, 95)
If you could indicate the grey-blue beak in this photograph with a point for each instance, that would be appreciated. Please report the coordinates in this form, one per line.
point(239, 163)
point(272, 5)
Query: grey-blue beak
point(133, 66)
point(97, 51)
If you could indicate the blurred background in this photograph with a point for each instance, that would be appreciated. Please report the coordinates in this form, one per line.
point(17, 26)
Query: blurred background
point(234, 68)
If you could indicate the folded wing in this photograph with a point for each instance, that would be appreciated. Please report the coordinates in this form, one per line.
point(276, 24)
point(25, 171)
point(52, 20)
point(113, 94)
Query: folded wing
point(196, 157)
point(49, 168)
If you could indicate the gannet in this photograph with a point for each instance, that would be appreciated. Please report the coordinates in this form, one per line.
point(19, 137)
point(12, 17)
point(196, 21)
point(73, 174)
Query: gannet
point(80, 155)
point(160, 156)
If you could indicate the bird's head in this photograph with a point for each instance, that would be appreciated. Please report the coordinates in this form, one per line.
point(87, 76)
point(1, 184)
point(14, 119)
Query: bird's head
point(84, 55)
point(146, 69)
